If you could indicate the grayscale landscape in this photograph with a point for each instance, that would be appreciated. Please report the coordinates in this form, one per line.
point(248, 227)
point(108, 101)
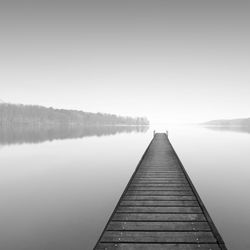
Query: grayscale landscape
point(124, 125)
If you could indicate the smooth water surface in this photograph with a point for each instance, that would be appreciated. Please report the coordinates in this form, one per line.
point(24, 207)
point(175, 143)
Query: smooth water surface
point(58, 189)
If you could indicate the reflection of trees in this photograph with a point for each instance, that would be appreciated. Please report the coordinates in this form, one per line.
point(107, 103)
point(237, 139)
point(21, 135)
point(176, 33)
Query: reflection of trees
point(244, 122)
point(240, 129)
point(35, 134)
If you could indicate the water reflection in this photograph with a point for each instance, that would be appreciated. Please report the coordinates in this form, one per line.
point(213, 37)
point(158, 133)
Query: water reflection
point(35, 134)
point(218, 165)
point(239, 129)
point(60, 194)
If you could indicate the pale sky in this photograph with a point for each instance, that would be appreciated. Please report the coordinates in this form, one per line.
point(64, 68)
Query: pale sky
point(172, 61)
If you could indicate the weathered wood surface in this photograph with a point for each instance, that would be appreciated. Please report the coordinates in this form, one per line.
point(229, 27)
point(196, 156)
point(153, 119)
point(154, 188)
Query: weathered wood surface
point(160, 208)
point(159, 246)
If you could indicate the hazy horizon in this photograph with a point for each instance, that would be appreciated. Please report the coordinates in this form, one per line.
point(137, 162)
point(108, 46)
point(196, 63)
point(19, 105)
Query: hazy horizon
point(154, 123)
point(173, 62)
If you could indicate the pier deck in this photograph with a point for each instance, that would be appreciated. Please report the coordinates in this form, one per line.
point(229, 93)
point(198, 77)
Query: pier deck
point(160, 208)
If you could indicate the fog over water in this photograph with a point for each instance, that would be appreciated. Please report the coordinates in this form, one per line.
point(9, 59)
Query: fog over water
point(59, 194)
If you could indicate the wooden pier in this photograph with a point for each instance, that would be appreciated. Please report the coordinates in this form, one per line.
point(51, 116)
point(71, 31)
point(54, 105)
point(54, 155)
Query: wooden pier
point(160, 208)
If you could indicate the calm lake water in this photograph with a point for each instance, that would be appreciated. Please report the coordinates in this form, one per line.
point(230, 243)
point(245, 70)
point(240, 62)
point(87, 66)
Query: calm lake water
point(58, 188)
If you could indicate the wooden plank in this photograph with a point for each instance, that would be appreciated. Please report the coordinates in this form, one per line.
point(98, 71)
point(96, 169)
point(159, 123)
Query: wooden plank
point(157, 217)
point(160, 193)
point(149, 172)
point(148, 246)
point(166, 165)
point(179, 173)
point(154, 162)
point(165, 168)
point(176, 171)
point(152, 188)
point(159, 182)
point(138, 209)
point(160, 173)
point(158, 185)
point(185, 237)
point(159, 203)
point(158, 226)
point(158, 198)
point(161, 178)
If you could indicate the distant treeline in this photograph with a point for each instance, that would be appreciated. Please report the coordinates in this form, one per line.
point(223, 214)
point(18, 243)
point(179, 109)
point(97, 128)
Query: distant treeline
point(11, 114)
point(244, 122)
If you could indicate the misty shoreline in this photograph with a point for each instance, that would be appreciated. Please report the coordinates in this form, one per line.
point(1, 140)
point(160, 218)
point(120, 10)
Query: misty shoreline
point(32, 115)
point(34, 134)
point(35, 124)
